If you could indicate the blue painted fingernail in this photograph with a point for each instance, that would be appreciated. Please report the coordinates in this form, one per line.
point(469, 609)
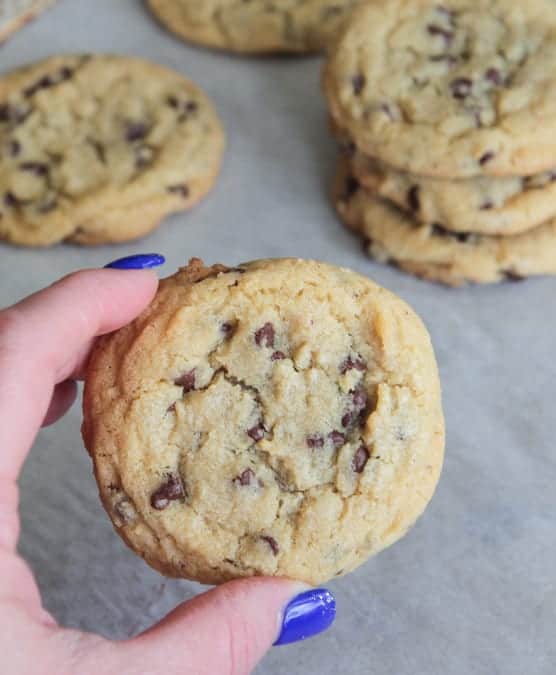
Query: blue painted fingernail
point(308, 614)
point(143, 261)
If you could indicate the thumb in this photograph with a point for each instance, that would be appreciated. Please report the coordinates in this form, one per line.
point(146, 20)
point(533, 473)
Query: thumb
point(229, 629)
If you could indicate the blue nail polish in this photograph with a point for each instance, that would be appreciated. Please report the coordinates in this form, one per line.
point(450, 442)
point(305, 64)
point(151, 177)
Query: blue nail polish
point(308, 614)
point(143, 261)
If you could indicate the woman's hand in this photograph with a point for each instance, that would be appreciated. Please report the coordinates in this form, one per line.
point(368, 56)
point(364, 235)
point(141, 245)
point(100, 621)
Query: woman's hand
point(44, 344)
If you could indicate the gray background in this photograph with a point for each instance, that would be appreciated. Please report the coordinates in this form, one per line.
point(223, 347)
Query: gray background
point(472, 588)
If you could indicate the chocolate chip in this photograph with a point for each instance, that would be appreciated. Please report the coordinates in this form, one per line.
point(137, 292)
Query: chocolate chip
point(348, 148)
point(14, 148)
point(135, 131)
point(272, 543)
point(11, 200)
point(171, 408)
point(358, 83)
point(13, 113)
point(440, 231)
point(337, 438)
point(352, 364)
point(182, 190)
point(173, 102)
point(352, 185)
point(360, 459)
point(247, 477)
point(413, 199)
point(358, 412)
point(495, 76)
point(486, 158)
point(187, 381)
point(510, 275)
point(5, 113)
point(65, 73)
point(315, 441)
point(256, 432)
point(44, 83)
point(461, 87)
point(227, 328)
point(486, 206)
point(170, 491)
point(264, 337)
point(192, 106)
point(278, 356)
point(435, 30)
point(36, 168)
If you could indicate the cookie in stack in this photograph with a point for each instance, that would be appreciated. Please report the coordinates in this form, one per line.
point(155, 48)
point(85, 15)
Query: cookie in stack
point(446, 114)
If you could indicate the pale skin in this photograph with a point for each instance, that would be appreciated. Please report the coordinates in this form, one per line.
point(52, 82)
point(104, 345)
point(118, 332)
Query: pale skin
point(224, 631)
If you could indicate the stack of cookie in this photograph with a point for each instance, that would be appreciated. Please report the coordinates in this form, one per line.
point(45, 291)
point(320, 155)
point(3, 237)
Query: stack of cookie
point(446, 114)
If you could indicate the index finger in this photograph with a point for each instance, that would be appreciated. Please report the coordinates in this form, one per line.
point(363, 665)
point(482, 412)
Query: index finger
point(45, 339)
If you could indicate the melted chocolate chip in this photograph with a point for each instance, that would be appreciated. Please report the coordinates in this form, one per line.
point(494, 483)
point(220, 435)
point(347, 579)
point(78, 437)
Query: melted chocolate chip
point(11, 200)
point(358, 83)
point(360, 459)
point(66, 73)
point(352, 185)
point(413, 200)
point(135, 131)
point(44, 83)
point(247, 477)
point(187, 381)
point(435, 30)
point(359, 410)
point(170, 491)
point(182, 190)
point(14, 148)
point(315, 441)
point(486, 206)
point(278, 356)
point(256, 432)
point(440, 231)
point(36, 168)
point(272, 543)
point(495, 76)
point(13, 113)
point(461, 87)
point(352, 364)
point(510, 275)
point(337, 438)
point(486, 158)
point(227, 328)
point(264, 337)
point(173, 102)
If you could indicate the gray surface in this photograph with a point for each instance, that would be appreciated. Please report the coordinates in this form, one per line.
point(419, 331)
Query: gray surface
point(472, 588)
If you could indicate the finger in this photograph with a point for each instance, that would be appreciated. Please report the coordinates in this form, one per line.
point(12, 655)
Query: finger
point(229, 629)
point(43, 340)
point(63, 398)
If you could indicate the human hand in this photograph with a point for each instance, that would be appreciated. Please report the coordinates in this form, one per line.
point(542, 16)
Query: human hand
point(44, 344)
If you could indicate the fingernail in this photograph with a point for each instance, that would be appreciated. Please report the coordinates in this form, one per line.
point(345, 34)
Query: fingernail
point(308, 614)
point(143, 261)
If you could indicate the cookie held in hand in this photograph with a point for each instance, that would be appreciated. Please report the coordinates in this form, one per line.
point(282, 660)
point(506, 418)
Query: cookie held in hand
point(282, 417)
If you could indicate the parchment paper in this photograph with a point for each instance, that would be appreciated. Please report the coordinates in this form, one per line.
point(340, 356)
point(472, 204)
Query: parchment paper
point(471, 589)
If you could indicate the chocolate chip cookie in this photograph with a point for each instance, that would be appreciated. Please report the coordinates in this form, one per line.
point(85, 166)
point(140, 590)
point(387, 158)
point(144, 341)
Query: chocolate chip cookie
point(483, 204)
point(14, 14)
point(282, 417)
point(432, 252)
point(256, 26)
point(97, 149)
point(456, 88)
